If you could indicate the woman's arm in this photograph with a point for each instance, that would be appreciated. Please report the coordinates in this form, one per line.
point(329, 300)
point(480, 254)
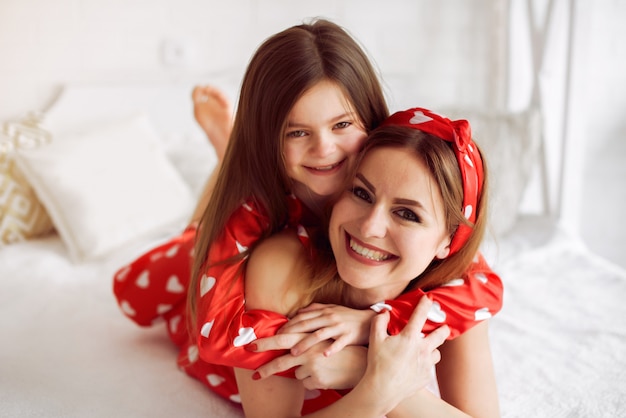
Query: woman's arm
point(466, 381)
point(466, 375)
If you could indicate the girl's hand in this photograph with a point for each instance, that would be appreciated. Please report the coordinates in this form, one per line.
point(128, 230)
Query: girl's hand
point(325, 322)
point(318, 371)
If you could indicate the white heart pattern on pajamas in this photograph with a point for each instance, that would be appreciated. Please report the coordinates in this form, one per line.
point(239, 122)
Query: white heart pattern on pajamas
point(436, 314)
point(246, 335)
point(163, 308)
point(481, 277)
point(174, 285)
point(143, 280)
point(482, 314)
point(192, 353)
point(215, 380)
point(121, 275)
point(127, 309)
point(173, 324)
point(172, 251)
point(206, 329)
point(206, 284)
point(455, 282)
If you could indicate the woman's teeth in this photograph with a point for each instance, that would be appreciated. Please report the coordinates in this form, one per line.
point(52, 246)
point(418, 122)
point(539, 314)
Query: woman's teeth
point(367, 253)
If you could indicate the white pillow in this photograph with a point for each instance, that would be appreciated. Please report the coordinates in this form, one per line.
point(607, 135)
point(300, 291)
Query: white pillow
point(107, 186)
point(510, 142)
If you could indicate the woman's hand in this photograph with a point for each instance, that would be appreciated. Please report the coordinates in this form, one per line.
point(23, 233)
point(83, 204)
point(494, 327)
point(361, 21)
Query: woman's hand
point(318, 371)
point(325, 322)
point(401, 365)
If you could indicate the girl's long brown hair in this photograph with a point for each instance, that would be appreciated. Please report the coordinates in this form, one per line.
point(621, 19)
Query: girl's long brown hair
point(284, 67)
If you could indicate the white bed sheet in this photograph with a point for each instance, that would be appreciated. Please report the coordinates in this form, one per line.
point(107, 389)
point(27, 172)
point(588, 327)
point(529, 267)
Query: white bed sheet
point(559, 341)
point(66, 350)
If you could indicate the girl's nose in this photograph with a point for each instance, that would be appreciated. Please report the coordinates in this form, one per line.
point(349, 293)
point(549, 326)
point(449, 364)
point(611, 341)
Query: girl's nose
point(324, 144)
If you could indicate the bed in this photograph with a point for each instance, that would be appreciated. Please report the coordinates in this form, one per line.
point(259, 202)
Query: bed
point(66, 350)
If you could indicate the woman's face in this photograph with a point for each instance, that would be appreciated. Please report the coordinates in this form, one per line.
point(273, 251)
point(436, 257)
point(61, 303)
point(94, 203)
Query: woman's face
point(322, 138)
point(389, 226)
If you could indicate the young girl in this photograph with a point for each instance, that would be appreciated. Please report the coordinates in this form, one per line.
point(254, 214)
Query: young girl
point(414, 210)
point(307, 100)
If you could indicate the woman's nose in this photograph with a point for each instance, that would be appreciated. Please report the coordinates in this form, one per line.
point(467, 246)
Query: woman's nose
point(375, 222)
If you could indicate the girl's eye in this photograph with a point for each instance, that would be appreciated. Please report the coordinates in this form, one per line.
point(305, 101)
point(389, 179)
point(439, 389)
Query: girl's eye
point(296, 134)
point(408, 215)
point(361, 193)
point(342, 125)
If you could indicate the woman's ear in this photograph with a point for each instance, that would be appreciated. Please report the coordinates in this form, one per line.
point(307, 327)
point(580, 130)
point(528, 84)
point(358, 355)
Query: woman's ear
point(444, 249)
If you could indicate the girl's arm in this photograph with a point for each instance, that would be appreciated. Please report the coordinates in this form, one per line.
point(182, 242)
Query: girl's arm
point(392, 361)
point(460, 304)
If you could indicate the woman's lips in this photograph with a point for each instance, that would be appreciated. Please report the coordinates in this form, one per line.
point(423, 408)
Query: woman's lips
point(363, 252)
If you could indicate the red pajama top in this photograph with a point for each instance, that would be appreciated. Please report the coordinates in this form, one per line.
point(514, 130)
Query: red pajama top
point(155, 286)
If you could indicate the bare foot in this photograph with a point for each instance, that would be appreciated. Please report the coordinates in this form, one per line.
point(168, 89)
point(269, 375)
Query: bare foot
point(213, 112)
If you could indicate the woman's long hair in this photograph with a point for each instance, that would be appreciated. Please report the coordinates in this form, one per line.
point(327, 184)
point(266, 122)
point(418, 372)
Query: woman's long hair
point(437, 154)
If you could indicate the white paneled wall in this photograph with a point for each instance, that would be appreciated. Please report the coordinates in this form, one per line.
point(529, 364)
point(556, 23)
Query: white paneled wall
point(431, 53)
point(428, 52)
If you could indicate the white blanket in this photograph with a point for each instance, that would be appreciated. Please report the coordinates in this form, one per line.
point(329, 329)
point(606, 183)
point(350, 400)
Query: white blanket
point(67, 351)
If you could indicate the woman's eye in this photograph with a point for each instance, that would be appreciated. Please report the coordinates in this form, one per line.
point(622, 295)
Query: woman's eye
point(361, 193)
point(408, 215)
point(296, 134)
point(342, 125)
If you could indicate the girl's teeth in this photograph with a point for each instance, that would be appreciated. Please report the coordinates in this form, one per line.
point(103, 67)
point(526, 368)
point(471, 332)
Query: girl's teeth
point(367, 253)
point(326, 168)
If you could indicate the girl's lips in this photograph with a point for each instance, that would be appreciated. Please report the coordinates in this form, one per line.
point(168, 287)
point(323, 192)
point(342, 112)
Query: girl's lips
point(364, 253)
point(326, 169)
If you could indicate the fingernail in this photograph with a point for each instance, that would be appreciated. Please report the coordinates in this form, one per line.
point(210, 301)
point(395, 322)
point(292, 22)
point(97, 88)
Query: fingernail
point(251, 347)
point(256, 376)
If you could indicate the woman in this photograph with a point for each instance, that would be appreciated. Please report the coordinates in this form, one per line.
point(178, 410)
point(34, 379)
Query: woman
point(414, 211)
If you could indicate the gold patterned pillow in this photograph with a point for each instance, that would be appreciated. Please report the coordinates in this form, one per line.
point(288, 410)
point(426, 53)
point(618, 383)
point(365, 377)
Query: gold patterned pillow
point(22, 215)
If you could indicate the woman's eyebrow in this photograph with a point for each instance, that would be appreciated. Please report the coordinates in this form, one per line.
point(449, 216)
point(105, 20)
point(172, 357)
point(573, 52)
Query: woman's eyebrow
point(398, 200)
point(367, 183)
point(408, 202)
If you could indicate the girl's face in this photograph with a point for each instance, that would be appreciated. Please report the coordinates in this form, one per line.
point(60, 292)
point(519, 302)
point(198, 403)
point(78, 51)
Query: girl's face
point(322, 138)
point(389, 226)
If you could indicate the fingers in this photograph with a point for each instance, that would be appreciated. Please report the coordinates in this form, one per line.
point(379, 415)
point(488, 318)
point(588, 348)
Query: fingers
point(309, 341)
point(336, 346)
point(277, 342)
point(307, 321)
point(418, 317)
point(303, 324)
point(438, 336)
point(436, 356)
point(378, 331)
point(278, 365)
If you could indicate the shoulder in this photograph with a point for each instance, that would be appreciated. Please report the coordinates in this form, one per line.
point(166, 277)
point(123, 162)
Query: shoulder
point(275, 273)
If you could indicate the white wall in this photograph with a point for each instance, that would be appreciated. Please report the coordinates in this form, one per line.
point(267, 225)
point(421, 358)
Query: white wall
point(431, 53)
point(422, 48)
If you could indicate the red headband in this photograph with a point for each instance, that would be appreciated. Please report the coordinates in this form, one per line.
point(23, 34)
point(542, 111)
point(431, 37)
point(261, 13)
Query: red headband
point(458, 133)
